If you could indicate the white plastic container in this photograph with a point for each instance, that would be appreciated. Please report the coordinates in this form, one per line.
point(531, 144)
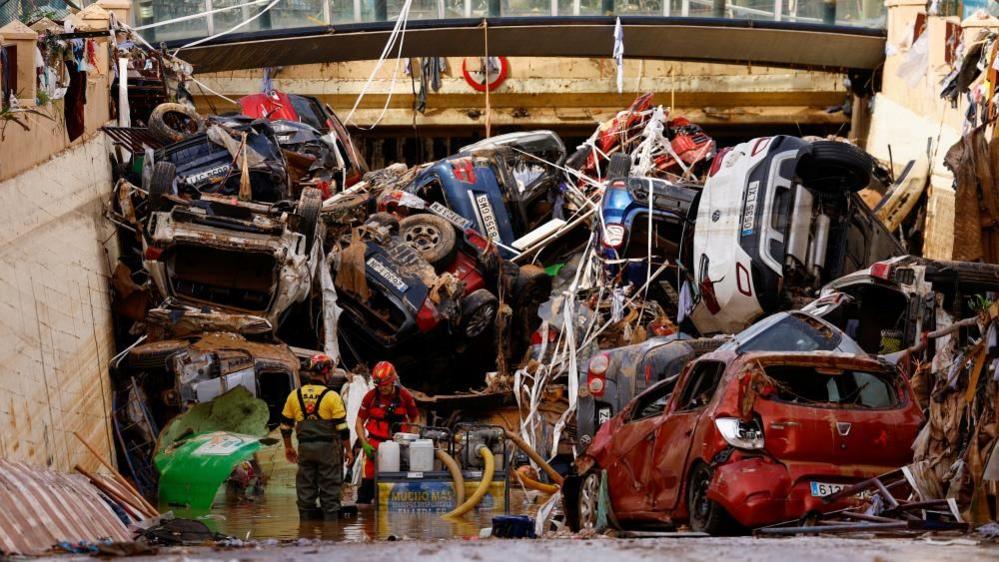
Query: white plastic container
point(388, 456)
point(421, 455)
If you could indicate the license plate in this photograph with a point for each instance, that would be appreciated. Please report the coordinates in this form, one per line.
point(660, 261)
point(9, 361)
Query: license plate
point(450, 216)
point(821, 489)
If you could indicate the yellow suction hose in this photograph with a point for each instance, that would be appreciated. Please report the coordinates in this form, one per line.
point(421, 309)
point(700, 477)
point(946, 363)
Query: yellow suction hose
point(555, 476)
point(452, 467)
point(532, 484)
point(480, 492)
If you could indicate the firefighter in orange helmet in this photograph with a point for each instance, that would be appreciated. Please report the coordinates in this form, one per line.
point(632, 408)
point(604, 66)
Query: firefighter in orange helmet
point(317, 414)
point(382, 407)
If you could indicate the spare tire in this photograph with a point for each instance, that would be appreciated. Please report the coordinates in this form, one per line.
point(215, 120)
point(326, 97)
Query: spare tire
point(835, 167)
point(310, 203)
point(432, 236)
point(161, 183)
point(173, 122)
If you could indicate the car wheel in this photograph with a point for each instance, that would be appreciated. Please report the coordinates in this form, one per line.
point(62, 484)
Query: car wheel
point(161, 183)
point(173, 122)
point(310, 203)
point(432, 236)
point(589, 500)
point(705, 515)
point(835, 167)
point(533, 287)
point(478, 313)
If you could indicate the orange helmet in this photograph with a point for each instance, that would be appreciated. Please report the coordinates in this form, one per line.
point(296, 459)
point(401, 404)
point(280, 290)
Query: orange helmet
point(383, 373)
point(321, 363)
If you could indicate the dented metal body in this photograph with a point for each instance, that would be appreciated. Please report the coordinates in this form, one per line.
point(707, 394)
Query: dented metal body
point(230, 257)
point(785, 445)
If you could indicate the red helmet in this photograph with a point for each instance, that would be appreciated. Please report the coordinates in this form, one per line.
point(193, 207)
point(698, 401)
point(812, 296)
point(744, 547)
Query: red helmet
point(321, 363)
point(384, 373)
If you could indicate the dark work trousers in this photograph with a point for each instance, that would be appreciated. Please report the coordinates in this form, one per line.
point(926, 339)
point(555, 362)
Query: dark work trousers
point(320, 476)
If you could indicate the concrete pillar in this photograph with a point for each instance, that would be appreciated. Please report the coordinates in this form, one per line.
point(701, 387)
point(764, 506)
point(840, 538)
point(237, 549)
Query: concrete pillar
point(95, 18)
point(121, 9)
point(23, 39)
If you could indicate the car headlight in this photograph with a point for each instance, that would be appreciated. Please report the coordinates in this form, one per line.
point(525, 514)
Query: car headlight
point(740, 434)
point(613, 235)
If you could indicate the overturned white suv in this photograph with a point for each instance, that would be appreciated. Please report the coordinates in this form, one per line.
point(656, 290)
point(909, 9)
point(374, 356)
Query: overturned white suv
point(239, 257)
point(779, 214)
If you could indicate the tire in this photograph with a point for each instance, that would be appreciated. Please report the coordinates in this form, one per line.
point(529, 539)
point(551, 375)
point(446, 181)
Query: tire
point(478, 313)
point(161, 183)
point(705, 515)
point(533, 287)
point(432, 236)
point(309, 205)
point(588, 500)
point(173, 122)
point(153, 355)
point(835, 167)
point(619, 167)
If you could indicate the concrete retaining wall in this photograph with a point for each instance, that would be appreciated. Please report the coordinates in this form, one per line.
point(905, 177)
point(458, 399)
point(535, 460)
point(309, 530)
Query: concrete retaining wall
point(55, 320)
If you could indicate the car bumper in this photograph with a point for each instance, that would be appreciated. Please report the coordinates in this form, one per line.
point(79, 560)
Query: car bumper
point(758, 491)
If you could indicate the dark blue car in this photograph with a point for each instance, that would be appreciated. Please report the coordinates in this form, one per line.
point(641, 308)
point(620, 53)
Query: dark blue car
point(625, 214)
point(506, 187)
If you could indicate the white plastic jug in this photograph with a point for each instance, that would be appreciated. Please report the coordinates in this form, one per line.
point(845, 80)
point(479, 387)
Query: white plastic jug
point(421, 455)
point(388, 457)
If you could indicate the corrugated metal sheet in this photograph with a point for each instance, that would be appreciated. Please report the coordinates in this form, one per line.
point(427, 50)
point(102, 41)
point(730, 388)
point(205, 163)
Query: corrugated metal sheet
point(40, 508)
point(134, 139)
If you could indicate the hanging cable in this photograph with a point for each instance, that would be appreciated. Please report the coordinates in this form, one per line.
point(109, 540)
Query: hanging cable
point(239, 25)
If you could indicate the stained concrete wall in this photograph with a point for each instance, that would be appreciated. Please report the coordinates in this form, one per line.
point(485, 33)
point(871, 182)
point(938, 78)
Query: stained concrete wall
point(55, 321)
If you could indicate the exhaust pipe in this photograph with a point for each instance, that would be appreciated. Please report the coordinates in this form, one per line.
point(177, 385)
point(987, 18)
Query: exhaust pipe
point(820, 244)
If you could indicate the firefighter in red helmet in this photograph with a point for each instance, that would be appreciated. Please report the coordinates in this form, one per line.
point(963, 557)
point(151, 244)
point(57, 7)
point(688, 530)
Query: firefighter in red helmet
point(382, 407)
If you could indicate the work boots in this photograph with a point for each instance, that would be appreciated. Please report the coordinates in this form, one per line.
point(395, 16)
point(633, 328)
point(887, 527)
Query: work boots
point(314, 514)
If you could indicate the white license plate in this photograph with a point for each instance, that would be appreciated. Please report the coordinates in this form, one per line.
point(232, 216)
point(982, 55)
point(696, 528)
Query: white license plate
point(450, 216)
point(821, 489)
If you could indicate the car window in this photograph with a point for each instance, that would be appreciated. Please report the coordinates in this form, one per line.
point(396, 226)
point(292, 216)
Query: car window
point(653, 402)
point(701, 385)
point(793, 333)
point(842, 389)
point(307, 113)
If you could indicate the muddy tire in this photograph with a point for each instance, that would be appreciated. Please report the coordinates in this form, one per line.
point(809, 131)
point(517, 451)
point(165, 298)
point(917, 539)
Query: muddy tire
point(835, 167)
point(588, 500)
point(153, 355)
point(478, 313)
point(310, 203)
point(173, 122)
point(619, 167)
point(705, 515)
point(161, 183)
point(432, 236)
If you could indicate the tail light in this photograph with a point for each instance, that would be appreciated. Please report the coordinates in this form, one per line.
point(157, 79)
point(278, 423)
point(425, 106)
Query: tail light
point(597, 374)
point(881, 270)
point(614, 235)
point(153, 253)
point(707, 287)
point(717, 162)
point(537, 338)
point(475, 239)
point(740, 434)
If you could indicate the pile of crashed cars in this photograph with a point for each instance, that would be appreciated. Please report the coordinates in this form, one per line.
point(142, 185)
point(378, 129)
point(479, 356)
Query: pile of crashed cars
point(738, 336)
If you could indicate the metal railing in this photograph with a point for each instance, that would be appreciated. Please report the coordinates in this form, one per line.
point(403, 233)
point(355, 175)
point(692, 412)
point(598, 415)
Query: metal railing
point(30, 10)
point(289, 14)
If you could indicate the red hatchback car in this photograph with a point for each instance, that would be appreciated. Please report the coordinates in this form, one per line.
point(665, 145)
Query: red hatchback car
point(741, 441)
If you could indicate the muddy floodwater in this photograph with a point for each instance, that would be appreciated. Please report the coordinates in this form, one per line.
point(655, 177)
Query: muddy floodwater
point(275, 515)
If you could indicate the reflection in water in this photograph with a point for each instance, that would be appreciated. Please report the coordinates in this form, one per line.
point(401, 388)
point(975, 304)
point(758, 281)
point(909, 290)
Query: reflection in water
point(275, 515)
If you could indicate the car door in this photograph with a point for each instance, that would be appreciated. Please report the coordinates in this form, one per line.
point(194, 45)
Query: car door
point(674, 436)
point(630, 474)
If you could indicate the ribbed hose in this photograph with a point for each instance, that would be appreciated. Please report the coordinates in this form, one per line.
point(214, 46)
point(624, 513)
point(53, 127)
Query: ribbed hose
point(532, 484)
point(555, 476)
point(452, 467)
point(480, 492)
